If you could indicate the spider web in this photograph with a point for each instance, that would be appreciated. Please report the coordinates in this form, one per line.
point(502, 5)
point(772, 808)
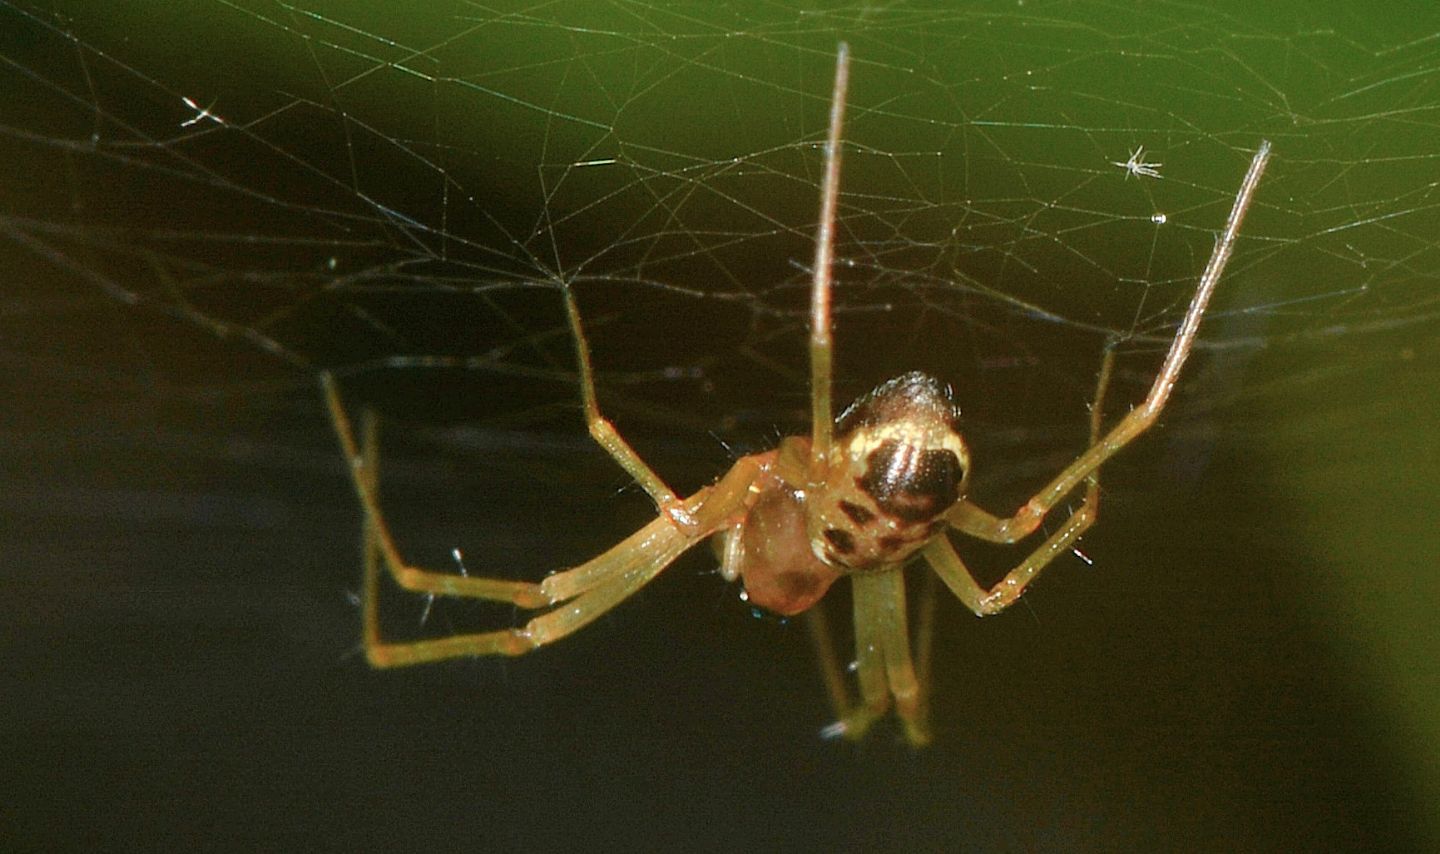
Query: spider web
point(212, 201)
point(392, 194)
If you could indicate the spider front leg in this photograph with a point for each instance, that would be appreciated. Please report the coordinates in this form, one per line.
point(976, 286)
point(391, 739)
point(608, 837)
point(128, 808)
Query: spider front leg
point(975, 522)
point(946, 562)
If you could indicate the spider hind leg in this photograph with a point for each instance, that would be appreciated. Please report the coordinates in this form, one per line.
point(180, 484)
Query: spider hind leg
point(570, 599)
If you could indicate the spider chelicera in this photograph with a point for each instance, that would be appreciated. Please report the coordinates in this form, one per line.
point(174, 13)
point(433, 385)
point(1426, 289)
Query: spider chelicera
point(860, 496)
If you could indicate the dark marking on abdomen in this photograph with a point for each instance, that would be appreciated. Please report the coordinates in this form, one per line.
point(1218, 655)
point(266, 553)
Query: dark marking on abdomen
point(909, 483)
point(892, 542)
point(859, 515)
point(843, 542)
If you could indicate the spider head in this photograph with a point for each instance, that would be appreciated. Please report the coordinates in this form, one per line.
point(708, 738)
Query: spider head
point(899, 463)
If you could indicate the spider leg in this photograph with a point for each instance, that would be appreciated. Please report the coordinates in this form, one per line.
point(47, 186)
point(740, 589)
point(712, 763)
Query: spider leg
point(925, 634)
point(942, 556)
point(822, 640)
point(712, 508)
point(624, 569)
point(946, 562)
point(582, 594)
point(605, 434)
point(821, 344)
point(883, 665)
point(976, 522)
point(853, 721)
point(579, 595)
point(380, 543)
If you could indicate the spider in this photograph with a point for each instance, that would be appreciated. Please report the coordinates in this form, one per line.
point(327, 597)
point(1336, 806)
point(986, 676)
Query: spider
point(861, 496)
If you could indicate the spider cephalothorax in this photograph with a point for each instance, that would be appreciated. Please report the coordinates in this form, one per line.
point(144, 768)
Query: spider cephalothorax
point(860, 496)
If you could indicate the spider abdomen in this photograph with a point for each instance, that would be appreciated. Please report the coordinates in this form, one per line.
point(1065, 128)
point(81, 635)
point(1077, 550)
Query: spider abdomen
point(781, 572)
point(899, 464)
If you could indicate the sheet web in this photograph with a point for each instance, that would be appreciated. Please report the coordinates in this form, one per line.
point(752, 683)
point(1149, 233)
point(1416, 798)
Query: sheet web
point(397, 196)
